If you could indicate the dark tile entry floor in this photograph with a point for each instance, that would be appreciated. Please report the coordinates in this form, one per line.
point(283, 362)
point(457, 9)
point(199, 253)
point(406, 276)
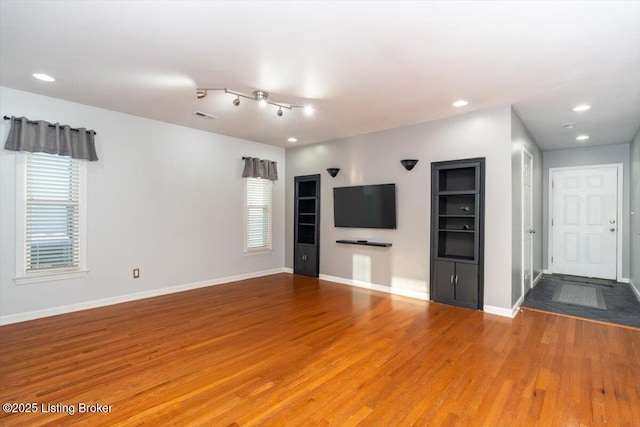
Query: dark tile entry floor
point(623, 307)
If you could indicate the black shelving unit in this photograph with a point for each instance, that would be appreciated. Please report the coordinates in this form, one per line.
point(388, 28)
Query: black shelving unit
point(457, 232)
point(306, 248)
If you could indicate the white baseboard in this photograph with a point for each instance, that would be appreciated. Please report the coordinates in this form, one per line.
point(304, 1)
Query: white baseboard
point(37, 314)
point(374, 287)
point(624, 280)
point(288, 270)
point(547, 272)
point(504, 312)
point(516, 307)
point(634, 289)
point(537, 279)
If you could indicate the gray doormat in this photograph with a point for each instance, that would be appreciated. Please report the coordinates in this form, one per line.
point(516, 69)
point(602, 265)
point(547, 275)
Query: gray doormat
point(580, 295)
point(590, 280)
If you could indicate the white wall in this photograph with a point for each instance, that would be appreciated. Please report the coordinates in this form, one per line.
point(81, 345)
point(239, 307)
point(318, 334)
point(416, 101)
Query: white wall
point(164, 198)
point(375, 159)
point(599, 155)
point(635, 212)
point(520, 137)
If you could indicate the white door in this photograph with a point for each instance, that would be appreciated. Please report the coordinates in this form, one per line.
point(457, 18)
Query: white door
point(584, 226)
point(527, 221)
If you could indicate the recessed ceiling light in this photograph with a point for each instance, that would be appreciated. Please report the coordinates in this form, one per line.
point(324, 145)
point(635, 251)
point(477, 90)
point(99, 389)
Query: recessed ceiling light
point(43, 77)
point(292, 139)
point(582, 107)
point(582, 137)
point(460, 103)
point(308, 110)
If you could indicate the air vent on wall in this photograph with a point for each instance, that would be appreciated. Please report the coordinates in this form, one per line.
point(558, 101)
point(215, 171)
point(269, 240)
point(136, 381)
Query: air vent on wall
point(205, 115)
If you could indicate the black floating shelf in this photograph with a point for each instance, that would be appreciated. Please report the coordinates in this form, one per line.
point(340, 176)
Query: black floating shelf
point(364, 243)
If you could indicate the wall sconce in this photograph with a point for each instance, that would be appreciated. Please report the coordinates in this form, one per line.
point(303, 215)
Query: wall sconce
point(333, 171)
point(409, 163)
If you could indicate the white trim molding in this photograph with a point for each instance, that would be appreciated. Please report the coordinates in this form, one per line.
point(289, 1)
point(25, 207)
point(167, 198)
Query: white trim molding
point(37, 314)
point(635, 290)
point(499, 311)
point(505, 312)
point(537, 279)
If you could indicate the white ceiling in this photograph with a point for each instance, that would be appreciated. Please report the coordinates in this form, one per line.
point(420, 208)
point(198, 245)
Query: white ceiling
point(365, 66)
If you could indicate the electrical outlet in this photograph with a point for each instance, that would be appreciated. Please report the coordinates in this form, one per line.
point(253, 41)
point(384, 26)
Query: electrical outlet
point(136, 273)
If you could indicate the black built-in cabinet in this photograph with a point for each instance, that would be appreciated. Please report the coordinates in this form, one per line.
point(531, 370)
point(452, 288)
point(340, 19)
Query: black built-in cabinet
point(457, 232)
point(306, 248)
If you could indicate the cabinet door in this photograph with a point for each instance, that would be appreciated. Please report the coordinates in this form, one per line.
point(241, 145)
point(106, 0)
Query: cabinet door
point(466, 285)
point(442, 286)
point(300, 265)
point(311, 268)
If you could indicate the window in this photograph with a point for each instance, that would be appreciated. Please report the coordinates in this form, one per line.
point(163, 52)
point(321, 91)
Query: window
point(51, 217)
point(258, 198)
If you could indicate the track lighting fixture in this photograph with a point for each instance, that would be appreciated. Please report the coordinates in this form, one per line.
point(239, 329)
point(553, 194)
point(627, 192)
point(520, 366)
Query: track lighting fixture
point(259, 96)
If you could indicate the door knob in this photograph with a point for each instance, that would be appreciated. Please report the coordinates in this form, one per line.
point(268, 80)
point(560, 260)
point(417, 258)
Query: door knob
point(612, 229)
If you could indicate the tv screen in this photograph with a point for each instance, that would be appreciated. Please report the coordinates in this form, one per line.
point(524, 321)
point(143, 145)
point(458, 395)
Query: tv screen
point(365, 206)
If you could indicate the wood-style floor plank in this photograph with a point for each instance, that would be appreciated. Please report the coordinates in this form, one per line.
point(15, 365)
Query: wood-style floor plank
point(290, 350)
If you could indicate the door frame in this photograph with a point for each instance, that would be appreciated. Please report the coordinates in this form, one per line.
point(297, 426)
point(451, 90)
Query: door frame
point(620, 197)
point(522, 204)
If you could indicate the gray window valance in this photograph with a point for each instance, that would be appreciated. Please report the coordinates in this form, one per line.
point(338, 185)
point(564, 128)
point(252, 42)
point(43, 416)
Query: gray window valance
point(257, 168)
point(44, 137)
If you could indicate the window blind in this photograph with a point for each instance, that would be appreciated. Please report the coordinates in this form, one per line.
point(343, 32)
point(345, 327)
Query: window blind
point(258, 214)
point(52, 212)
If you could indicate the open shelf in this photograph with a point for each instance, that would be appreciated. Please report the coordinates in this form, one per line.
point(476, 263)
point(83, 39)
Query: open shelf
point(458, 179)
point(306, 206)
point(457, 204)
point(456, 244)
point(306, 189)
point(455, 223)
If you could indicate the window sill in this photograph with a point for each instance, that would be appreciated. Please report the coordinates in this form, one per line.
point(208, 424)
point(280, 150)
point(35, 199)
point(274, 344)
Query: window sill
point(48, 277)
point(258, 251)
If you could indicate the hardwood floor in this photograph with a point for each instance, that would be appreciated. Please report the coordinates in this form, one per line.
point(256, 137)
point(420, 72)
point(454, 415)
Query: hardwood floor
point(289, 350)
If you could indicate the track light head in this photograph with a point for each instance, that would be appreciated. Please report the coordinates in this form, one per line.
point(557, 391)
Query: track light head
point(201, 94)
point(279, 113)
point(236, 101)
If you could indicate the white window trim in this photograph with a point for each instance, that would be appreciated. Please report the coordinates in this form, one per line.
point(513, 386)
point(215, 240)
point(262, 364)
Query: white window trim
point(257, 251)
point(21, 207)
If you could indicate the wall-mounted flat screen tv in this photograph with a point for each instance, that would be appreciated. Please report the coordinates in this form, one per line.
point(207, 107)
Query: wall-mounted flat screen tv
point(365, 206)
